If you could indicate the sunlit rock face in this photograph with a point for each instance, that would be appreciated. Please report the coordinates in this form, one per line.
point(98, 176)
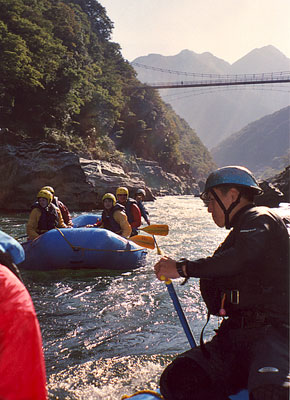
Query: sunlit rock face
point(80, 183)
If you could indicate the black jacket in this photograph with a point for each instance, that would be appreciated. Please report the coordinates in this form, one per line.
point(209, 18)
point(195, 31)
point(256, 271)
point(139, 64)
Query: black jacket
point(250, 269)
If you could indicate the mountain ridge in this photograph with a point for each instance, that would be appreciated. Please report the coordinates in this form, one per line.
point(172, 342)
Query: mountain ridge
point(262, 145)
point(216, 113)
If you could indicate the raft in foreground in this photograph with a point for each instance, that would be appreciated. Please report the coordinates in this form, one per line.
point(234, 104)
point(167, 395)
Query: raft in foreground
point(150, 395)
point(82, 248)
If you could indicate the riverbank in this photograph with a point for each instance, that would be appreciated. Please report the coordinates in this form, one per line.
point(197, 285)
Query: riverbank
point(80, 182)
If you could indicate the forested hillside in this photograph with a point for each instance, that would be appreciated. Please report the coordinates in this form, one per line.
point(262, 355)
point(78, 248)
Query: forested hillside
point(63, 80)
point(263, 145)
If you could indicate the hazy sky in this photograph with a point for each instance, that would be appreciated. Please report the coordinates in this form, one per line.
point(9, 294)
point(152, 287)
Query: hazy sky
point(229, 29)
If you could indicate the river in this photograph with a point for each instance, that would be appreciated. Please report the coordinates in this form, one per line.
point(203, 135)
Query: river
point(109, 334)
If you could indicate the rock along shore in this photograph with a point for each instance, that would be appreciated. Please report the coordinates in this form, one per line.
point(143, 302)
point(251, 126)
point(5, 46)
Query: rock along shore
point(80, 183)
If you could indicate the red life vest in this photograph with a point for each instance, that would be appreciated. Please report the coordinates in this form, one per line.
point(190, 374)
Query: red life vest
point(22, 367)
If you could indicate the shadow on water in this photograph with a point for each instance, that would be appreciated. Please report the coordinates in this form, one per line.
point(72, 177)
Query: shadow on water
point(64, 274)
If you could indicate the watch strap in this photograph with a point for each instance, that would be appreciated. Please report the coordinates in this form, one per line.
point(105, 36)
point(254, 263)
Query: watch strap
point(179, 267)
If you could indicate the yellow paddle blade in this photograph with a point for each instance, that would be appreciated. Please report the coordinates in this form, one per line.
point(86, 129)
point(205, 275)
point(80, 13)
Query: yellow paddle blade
point(143, 241)
point(161, 230)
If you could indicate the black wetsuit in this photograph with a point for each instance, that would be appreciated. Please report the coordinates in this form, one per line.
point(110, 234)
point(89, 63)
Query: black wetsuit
point(248, 277)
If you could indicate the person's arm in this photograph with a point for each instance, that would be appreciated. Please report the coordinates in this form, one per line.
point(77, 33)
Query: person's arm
point(61, 223)
point(65, 214)
point(32, 224)
point(136, 216)
point(250, 245)
point(98, 224)
point(121, 218)
point(144, 212)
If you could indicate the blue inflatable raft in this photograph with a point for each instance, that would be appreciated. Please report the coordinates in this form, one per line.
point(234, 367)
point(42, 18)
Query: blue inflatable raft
point(85, 219)
point(151, 395)
point(82, 248)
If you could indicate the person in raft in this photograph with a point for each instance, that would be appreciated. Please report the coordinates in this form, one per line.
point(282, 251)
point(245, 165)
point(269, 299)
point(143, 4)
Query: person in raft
point(131, 208)
point(246, 282)
point(114, 217)
point(22, 366)
point(63, 208)
point(139, 197)
point(44, 216)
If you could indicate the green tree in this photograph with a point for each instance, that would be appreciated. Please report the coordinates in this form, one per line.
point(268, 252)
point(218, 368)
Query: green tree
point(63, 79)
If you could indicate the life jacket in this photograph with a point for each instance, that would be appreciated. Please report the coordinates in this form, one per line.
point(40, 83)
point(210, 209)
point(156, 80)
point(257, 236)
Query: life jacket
point(261, 287)
point(48, 219)
point(128, 210)
point(108, 218)
point(22, 367)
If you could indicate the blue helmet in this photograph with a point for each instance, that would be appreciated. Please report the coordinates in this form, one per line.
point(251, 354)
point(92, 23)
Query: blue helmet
point(232, 175)
point(10, 245)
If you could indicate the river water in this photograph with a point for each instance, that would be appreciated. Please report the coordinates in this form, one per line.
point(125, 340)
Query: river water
point(109, 334)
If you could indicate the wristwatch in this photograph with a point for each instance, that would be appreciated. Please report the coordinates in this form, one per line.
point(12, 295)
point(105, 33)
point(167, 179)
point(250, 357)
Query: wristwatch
point(179, 265)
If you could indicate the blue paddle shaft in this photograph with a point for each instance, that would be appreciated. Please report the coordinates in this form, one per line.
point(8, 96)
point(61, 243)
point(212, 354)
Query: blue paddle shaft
point(180, 313)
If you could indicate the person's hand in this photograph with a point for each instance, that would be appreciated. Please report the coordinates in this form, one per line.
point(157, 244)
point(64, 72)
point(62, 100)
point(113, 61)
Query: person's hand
point(166, 267)
point(89, 226)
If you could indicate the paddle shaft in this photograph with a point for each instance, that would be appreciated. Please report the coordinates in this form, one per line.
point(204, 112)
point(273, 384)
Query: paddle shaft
point(159, 252)
point(180, 312)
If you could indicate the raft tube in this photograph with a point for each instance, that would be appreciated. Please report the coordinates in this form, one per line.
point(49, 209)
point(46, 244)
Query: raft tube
point(85, 219)
point(150, 395)
point(91, 248)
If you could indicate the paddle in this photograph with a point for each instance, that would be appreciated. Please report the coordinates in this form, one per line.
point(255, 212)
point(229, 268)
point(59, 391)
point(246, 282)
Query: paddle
point(159, 252)
point(179, 311)
point(158, 229)
point(143, 241)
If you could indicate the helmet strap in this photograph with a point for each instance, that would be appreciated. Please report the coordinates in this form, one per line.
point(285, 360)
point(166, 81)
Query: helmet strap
point(226, 211)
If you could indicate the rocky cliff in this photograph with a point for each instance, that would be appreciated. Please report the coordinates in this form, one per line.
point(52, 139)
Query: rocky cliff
point(80, 183)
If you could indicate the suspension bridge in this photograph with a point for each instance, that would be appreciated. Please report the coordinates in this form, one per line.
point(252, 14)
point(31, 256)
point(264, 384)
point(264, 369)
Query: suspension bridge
point(208, 80)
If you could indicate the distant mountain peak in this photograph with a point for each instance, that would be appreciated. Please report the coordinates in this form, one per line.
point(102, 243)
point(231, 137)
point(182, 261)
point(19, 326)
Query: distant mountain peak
point(185, 52)
point(262, 59)
point(269, 49)
point(217, 113)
